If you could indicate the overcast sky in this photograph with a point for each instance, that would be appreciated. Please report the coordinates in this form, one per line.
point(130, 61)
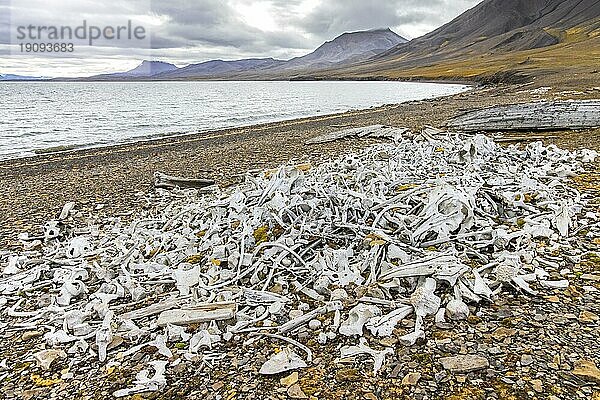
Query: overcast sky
point(191, 31)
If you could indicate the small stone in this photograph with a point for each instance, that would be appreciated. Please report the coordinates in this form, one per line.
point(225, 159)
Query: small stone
point(588, 317)
point(370, 396)
point(389, 341)
point(277, 288)
point(439, 376)
point(339, 294)
point(457, 310)
point(322, 338)
point(526, 360)
point(314, 324)
point(539, 317)
point(553, 299)
point(115, 342)
point(295, 392)
point(586, 369)
point(411, 379)
point(537, 385)
point(348, 375)
point(502, 333)
point(217, 385)
point(289, 380)
point(464, 363)
point(30, 335)
point(396, 371)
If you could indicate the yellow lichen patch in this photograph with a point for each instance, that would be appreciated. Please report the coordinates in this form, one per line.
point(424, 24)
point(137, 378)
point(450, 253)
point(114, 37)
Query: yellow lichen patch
point(312, 382)
point(261, 234)
point(200, 234)
point(507, 392)
point(440, 150)
point(403, 188)
point(443, 335)
point(469, 392)
point(153, 252)
point(110, 370)
point(231, 395)
point(215, 261)
point(39, 381)
point(194, 259)
point(529, 197)
point(304, 167)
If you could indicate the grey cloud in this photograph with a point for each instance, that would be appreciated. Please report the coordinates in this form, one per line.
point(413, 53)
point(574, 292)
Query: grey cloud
point(216, 23)
point(184, 31)
point(335, 16)
point(204, 13)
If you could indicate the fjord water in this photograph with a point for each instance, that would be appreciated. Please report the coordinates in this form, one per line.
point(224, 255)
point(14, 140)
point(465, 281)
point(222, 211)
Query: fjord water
point(41, 116)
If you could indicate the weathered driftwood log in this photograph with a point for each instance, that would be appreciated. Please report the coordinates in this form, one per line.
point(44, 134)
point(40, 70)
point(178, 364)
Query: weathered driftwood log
point(164, 181)
point(547, 115)
point(374, 131)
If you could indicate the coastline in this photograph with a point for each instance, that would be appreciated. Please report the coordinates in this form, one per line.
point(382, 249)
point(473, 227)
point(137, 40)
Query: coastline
point(115, 178)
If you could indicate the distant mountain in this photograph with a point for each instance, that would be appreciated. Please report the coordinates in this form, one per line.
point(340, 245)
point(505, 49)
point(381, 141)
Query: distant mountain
point(149, 68)
point(11, 77)
point(496, 37)
point(220, 68)
point(145, 70)
point(349, 47)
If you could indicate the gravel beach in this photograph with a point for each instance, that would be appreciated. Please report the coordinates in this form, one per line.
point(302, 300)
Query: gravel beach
point(114, 178)
point(534, 348)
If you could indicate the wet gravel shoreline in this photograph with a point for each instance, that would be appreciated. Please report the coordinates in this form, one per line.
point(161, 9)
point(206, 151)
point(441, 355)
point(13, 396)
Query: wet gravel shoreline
point(111, 178)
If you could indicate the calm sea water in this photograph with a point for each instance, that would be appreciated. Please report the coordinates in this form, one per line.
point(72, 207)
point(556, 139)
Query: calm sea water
point(41, 116)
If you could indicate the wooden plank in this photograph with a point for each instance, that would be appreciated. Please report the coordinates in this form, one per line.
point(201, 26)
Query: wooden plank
point(547, 115)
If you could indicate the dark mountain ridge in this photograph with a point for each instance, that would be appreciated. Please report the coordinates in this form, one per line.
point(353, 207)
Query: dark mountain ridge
point(144, 70)
point(499, 26)
point(495, 41)
point(347, 48)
